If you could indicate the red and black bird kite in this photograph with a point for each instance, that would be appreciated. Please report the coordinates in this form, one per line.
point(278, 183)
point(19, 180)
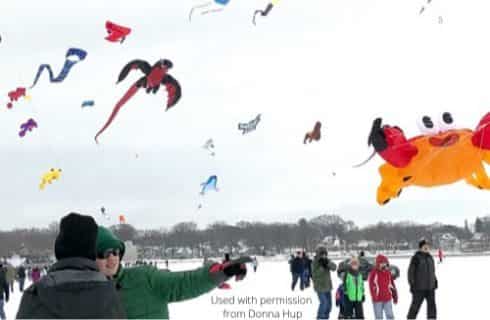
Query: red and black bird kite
point(151, 81)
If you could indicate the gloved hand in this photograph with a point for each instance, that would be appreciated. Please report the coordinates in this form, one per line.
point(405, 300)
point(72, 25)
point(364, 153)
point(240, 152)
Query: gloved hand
point(221, 272)
point(394, 293)
point(324, 262)
point(437, 284)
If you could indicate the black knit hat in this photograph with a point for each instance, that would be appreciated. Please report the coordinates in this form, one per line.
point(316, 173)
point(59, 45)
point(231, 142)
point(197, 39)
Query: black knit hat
point(422, 243)
point(77, 237)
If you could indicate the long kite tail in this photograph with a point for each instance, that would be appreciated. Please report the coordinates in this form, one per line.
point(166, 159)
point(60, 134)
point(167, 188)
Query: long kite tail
point(207, 4)
point(40, 71)
point(130, 93)
point(365, 161)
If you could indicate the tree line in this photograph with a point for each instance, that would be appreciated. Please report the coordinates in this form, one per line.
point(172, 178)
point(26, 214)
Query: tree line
point(186, 239)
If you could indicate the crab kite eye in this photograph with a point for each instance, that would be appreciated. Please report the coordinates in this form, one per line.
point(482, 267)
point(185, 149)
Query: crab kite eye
point(446, 121)
point(427, 126)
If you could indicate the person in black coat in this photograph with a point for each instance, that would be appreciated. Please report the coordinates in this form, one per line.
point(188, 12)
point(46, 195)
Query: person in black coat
point(423, 281)
point(21, 277)
point(73, 287)
point(297, 270)
point(4, 290)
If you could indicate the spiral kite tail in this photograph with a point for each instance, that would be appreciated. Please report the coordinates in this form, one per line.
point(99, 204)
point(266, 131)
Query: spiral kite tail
point(128, 95)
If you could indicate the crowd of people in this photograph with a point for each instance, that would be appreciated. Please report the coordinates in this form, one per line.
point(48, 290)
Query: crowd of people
point(89, 281)
point(350, 296)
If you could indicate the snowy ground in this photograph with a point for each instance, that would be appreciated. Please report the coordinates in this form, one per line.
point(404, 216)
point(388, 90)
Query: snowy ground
point(458, 292)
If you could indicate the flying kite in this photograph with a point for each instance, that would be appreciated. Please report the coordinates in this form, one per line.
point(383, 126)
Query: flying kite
point(209, 146)
point(49, 177)
point(315, 134)
point(210, 184)
point(425, 6)
point(249, 126)
point(103, 212)
point(16, 94)
point(151, 81)
point(72, 53)
point(209, 7)
point(27, 126)
point(88, 103)
point(265, 13)
point(116, 33)
point(442, 155)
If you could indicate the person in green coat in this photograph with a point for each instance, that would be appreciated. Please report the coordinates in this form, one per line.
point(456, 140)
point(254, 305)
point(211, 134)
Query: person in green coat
point(146, 291)
point(322, 281)
point(354, 291)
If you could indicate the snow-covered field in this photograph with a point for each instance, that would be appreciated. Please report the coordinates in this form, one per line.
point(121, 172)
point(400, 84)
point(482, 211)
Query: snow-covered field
point(461, 295)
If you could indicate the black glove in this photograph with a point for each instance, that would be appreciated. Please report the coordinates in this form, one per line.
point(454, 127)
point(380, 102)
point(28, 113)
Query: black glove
point(221, 272)
point(239, 270)
point(363, 298)
point(437, 284)
point(324, 262)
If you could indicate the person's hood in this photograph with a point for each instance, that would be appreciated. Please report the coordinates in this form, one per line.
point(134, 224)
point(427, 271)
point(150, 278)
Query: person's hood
point(380, 259)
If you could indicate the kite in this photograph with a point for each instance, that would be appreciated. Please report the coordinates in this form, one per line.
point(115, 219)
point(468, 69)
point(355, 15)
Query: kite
point(209, 7)
point(210, 184)
point(27, 126)
point(442, 155)
point(265, 12)
point(151, 81)
point(88, 103)
point(116, 33)
point(49, 177)
point(16, 94)
point(422, 9)
point(69, 63)
point(102, 211)
point(315, 134)
point(122, 219)
point(249, 126)
point(209, 145)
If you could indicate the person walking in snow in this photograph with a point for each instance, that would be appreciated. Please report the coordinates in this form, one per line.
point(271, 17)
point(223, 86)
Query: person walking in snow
point(353, 291)
point(322, 266)
point(255, 263)
point(73, 287)
point(382, 288)
point(146, 292)
point(307, 273)
point(440, 254)
point(35, 274)
point(297, 270)
point(423, 281)
point(4, 290)
point(11, 276)
point(21, 277)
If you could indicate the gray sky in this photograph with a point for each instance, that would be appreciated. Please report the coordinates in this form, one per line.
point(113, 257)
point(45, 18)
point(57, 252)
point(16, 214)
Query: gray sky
point(341, 62)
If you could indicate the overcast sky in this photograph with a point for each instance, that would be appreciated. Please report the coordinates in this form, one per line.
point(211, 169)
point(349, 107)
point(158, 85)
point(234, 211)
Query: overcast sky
point(342, 62)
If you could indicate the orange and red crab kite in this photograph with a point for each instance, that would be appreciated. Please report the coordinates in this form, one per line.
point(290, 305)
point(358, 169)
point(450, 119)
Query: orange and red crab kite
point(442, 156)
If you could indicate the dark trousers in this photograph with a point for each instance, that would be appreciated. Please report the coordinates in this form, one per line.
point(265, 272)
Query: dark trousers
point(417, 299)
point(353, 309)
point(21, 284)
point(11, 284)
point(297, 276)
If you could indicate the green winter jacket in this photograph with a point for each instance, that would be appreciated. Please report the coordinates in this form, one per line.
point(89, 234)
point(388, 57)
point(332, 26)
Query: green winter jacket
point(354, 286)
point(146, 291)
point(321, 269)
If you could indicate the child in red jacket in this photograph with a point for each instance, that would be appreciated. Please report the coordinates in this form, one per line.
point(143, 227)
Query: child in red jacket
point(382, 288)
